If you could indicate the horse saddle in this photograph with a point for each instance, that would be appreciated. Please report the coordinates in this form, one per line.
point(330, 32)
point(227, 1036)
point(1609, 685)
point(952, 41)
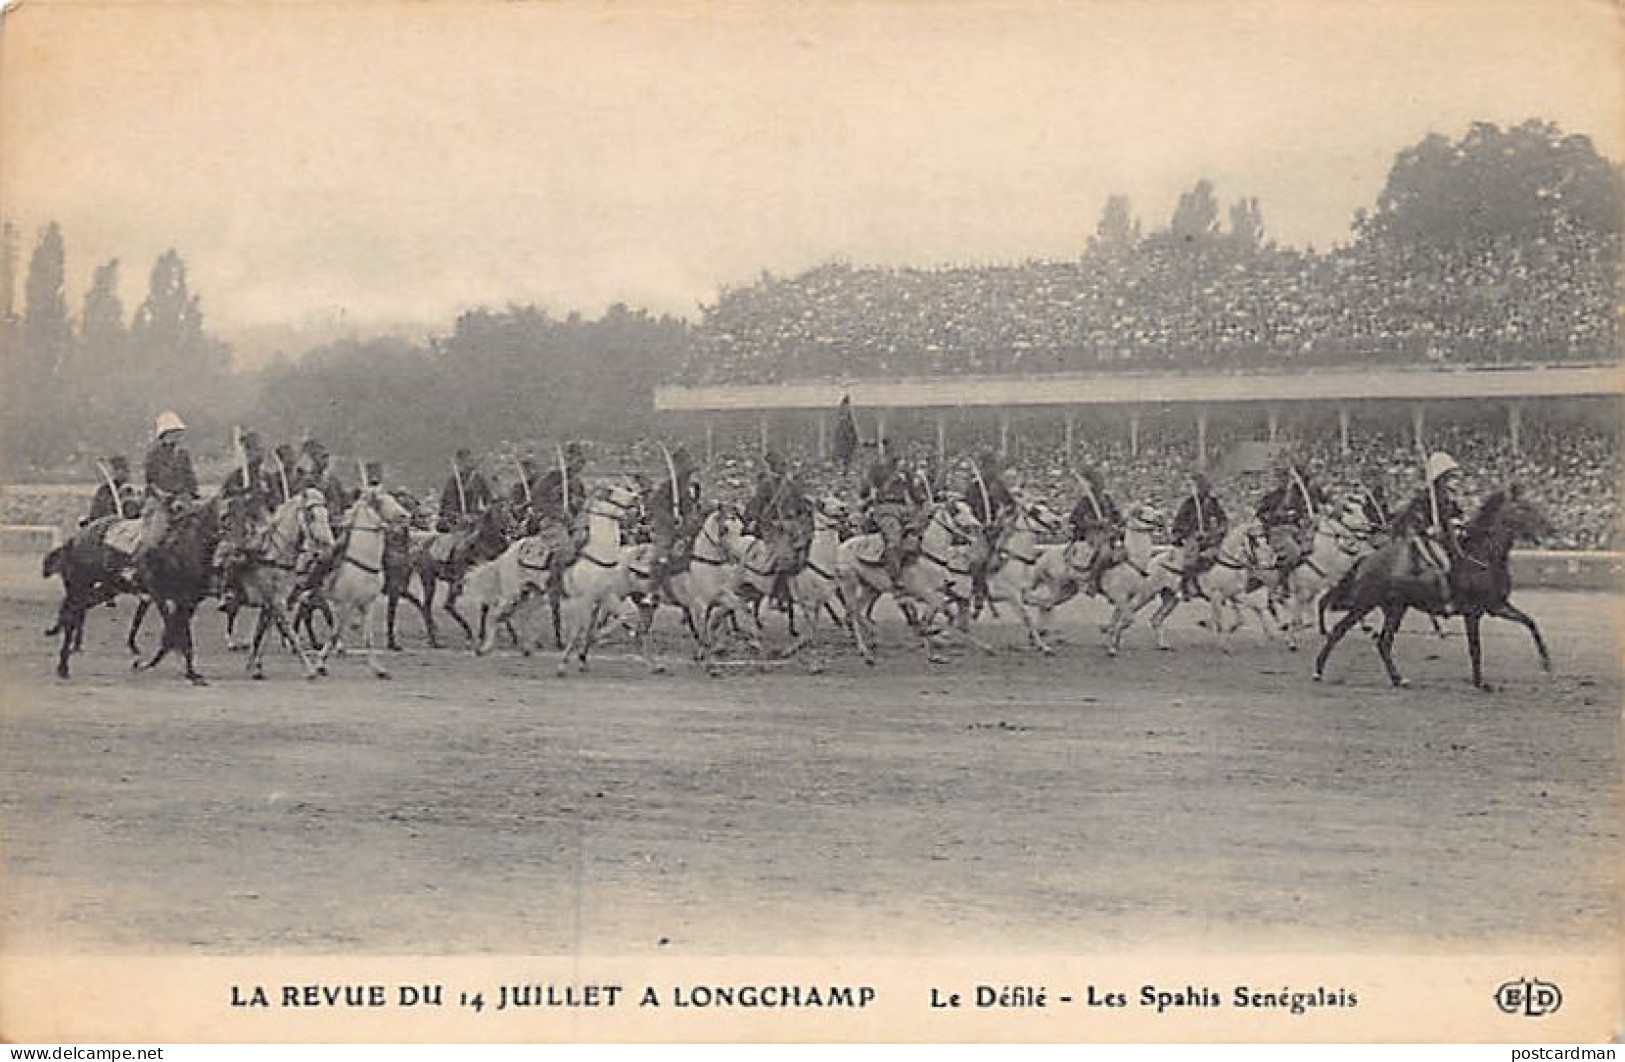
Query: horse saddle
point(870, 549)
point(123, 535)
point(536, 552)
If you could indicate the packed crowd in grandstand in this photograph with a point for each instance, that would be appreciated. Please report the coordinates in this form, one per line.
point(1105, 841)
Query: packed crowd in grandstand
point(1160, 306)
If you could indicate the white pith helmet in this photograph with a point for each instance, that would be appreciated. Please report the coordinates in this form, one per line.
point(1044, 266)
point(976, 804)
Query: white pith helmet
point(168, 421)
point(1439, 463)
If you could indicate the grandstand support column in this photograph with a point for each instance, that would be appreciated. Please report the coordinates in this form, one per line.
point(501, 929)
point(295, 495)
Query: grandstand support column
point(761, 431)
point(1201, 437)
point(1071, 434)
point(1419, 428)
point(1134, 434)
point(1343, 428)
point(942, 434)
point(880, 432)
point(1515, 425)
point(1274, 423)
point(823, 440)
point(1004, 433)
point(710, 440)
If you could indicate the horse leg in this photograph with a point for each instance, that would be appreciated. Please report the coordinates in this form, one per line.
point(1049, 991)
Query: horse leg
point(1475, 651)
point(232, 644)
point(431, 581)
point(256, 667)
point(1350, 620)
point(182, 622)
point(450, 608)
point(391, 605)
point(1508, 611)
point(1392, 617)
point(369, 623)
point(70, 618)
point(1169, 600)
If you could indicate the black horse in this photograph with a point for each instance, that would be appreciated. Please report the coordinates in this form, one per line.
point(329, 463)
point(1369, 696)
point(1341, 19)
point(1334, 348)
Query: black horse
point(479, 539)
point(179, 573)
point(93, 573)
point(1479, 580)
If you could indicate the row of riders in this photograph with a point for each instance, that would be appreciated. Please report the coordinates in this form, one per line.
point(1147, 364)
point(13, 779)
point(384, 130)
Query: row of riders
point(1296, 542)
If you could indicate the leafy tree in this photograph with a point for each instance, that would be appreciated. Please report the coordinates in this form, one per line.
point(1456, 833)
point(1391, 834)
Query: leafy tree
point(1118, 231)
point(1527, 183)
point(1246, 233)
point(1196, 219)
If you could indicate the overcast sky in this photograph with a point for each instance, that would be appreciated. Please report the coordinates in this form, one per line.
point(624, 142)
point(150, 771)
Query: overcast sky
point(393, 163)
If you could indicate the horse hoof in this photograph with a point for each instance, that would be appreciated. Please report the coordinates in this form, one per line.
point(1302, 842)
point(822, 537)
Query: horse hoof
point(321, 669)
point(1291, 647)
point(257, 676)
point(383, 674)
point(1402, 683)
point(61, 671)
point(197, 680)
point(394, 648)
point(135, 665)
point(1317, 676)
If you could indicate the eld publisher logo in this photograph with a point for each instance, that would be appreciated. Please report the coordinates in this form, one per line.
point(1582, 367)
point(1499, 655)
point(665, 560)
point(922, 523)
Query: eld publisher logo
point(1532, 999)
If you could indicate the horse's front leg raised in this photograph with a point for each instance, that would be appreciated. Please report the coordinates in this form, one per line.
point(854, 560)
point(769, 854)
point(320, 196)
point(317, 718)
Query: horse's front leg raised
point(1507, 611)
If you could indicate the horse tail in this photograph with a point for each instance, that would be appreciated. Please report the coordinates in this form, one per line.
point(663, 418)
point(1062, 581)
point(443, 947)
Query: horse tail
point(53, 562)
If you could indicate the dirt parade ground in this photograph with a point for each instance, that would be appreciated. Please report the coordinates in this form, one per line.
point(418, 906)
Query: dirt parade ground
point(990, 803)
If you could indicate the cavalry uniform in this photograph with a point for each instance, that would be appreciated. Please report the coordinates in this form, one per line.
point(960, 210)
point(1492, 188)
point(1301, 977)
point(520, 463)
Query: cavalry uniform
point(1097, 521)
point(466, 492)
point(314, 563)
point(170, 479)
point(1199, 526)
point(893, 504)
point(557, 501)
point(1288, 515)
point(674, 514)
point(247, 500)
point(780, 515)
point(1431, 523)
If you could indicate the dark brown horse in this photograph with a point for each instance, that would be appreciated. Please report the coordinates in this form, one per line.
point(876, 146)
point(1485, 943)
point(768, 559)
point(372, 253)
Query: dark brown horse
point(1479, 580)
point(179, 574)
point(477, 540)
point(93, 573)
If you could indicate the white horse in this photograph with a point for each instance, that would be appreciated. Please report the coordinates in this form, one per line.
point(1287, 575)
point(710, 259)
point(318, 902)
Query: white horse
point(498, 586)
point(268, 577)
point(1243, 555)
point(1013, 570)
point(1063, 570)
point(356, 584)
point(814, 588)
point(603, 574)
point(708, 589)
point(1340, 541)
point(938, 577)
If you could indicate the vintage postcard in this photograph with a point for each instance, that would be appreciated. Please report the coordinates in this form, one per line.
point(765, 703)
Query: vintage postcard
point(859, 520)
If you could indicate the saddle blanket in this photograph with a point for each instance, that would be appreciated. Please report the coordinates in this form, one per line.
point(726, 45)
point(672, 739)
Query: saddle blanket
point(124, 535)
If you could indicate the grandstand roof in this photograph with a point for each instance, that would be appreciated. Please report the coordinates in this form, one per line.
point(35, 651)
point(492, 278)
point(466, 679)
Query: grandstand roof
point(1124, 388)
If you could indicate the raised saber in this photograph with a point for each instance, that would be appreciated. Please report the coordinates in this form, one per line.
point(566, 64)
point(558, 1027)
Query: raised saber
point(564, 483)
point(981, 484)
point(671, 467)
point(107, 478)
point(523, 481)
point(462, 497)
point(1304, 490)
point(282, 473)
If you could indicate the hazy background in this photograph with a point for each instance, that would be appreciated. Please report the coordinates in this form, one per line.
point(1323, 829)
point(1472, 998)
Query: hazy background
point(329, 167)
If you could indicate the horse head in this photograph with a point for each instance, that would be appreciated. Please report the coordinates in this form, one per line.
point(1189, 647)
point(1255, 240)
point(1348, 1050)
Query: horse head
point(1145, 518)
point(1039, 517)
point(315, 522)
point(1511, 513)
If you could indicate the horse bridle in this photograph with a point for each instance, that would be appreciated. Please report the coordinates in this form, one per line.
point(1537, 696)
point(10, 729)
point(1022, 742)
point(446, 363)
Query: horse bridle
point(708, 537)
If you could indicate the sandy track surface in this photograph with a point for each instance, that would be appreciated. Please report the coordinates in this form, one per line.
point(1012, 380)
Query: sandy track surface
point(1190, 799)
